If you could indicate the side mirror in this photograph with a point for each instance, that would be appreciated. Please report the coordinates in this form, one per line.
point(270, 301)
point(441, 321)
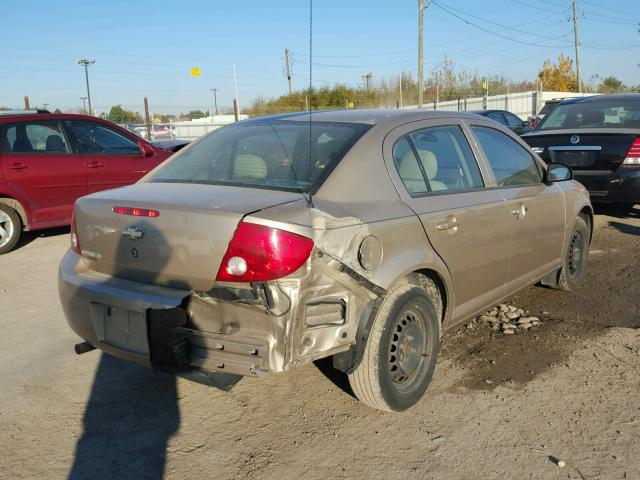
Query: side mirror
point(146, 149)
point(558, 172)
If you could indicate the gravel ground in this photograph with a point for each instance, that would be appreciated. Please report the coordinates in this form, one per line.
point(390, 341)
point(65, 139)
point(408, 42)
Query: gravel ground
point(558, 400)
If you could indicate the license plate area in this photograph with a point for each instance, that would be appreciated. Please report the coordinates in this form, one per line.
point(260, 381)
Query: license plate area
point(575, 158)
point(120, 328)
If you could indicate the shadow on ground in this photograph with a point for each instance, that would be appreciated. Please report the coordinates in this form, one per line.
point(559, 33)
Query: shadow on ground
point(27, 237)
point(130, 416)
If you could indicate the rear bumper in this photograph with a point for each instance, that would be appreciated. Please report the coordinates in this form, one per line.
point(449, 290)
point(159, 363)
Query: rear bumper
point(149, 325)
point(620, 186)
point(246, 331)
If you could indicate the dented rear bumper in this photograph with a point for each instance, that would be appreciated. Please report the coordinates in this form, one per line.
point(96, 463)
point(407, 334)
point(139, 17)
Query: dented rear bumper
point(245, 329)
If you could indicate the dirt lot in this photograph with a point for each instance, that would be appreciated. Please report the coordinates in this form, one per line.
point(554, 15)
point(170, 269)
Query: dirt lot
point(499, 407)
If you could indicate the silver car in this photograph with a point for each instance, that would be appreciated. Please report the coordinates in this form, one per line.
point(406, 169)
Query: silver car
point(362, 234)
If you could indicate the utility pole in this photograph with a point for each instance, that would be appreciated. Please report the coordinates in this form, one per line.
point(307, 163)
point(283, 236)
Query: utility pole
point(577, 45)
point(147, 119)
point(421, 7)
point(400, 90)
point(367, 79)
point(287, 67)
point(215, 99)
point(85, 63)
point(26, 103)
point(235, 81)
point(84, 105)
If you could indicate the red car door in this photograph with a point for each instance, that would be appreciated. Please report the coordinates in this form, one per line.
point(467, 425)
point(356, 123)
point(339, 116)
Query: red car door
point(39, 163)
point(111, 157)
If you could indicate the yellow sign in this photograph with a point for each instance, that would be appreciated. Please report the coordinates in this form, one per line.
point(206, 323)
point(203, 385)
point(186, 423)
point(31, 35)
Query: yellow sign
point(351, 105)
point(195, 71)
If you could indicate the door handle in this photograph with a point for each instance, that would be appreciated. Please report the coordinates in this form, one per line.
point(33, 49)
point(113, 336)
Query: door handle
point(18, 166)
point(520, 211)
point(95, 165)
point(451, 224)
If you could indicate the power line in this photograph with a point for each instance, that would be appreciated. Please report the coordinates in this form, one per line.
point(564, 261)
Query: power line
point(611, 9)
point(531, 44)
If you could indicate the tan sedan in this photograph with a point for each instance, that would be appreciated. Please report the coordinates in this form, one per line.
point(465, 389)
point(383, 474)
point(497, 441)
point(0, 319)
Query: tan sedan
point(361, 235)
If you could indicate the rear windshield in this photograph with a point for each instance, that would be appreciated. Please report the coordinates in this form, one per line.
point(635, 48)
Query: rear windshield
point(284, 155)
point(599, 113)
point(548, 107)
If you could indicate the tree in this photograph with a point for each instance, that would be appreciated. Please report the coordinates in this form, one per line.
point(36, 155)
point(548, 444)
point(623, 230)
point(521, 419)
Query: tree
point(117, 114)
point(558, 77)
point(57, 110)
point(611, 84)
point(195, 114)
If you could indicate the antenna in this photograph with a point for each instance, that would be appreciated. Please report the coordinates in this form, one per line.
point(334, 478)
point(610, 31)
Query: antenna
point(310, 197)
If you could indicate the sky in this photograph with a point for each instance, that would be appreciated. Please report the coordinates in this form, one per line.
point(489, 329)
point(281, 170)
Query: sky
point(146, 48)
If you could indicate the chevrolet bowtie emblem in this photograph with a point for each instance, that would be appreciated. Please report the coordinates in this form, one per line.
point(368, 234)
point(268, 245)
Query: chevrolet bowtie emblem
point(134, 233)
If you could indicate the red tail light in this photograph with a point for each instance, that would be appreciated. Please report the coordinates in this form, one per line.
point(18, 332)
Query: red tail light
point(75, 243)
point(257, 253)
point(632, 158)
point(136, 212)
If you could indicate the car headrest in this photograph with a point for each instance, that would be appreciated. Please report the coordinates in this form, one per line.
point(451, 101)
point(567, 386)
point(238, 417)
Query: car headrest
point(592, 116)
point(249, 166)
point(429, 163)
point(55, 144)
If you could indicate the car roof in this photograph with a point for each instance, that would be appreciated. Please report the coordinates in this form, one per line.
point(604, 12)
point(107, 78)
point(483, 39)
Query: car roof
point(372, 117)
point(601, 98)
point(42, 115)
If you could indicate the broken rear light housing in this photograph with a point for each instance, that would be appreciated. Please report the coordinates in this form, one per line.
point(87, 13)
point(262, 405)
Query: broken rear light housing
point(258, 253)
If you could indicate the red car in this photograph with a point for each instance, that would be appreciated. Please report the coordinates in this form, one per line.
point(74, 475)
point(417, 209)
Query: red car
point(49, 160)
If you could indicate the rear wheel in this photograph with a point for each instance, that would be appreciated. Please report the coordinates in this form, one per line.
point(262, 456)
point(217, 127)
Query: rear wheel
point(10, 228)
point(400, 355)
point(575, 262)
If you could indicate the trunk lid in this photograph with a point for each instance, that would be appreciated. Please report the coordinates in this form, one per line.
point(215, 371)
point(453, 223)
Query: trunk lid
point(593, 150)
point(183, 246)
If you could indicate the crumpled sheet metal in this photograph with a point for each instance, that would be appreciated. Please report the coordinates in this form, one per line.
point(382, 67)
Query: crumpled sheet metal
point(280, 325)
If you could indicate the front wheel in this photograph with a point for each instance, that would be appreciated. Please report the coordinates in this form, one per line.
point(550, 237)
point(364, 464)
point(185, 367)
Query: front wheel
point(574, 268)
point(401, 352)
point(10, 228)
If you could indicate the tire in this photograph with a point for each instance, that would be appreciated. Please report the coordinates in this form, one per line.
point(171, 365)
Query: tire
point(400, 355)
point(10, 228)
point(574, 268)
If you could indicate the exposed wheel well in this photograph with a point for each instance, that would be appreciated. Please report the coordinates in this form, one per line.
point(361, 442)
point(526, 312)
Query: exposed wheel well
point(587, 214)
point(17, 206)
point(435, 277)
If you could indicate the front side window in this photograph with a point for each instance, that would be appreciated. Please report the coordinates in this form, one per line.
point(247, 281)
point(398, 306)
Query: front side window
point(443, 157)
point(95, 138)
point(44, 137)
point(511, 163)
point(278, 154)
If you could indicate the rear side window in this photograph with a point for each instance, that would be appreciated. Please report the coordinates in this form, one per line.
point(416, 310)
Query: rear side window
point(511, 163)
point(278, 154)
point(497, 117)
point(95, 138)
point(443, 158)
point(512, 120)
point(45, 137)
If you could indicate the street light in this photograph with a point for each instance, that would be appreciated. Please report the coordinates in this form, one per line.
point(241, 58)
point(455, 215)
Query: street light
point(215, 99)
point(84, 105)
point(85, 63)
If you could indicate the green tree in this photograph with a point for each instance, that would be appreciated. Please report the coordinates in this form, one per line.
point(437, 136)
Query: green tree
point(195, 114)
point(117, 114)
point(611, 84)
